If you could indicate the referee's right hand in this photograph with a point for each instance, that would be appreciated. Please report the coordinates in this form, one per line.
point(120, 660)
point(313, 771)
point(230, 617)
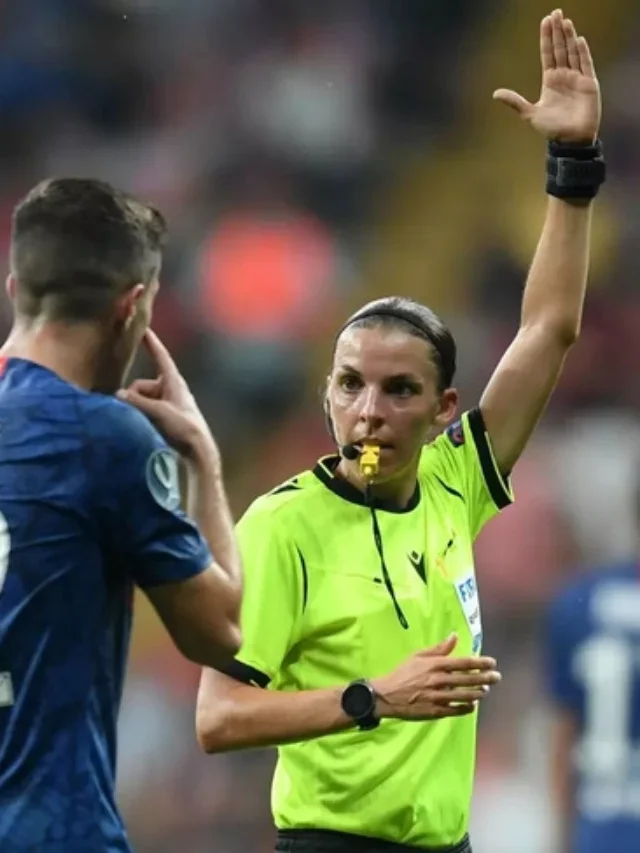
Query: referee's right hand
point(433, 684)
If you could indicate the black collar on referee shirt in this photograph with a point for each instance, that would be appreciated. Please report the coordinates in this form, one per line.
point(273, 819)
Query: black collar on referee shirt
point(325, 472)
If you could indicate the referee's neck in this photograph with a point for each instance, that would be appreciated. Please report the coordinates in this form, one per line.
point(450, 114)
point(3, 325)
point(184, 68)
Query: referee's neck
point(397, 490)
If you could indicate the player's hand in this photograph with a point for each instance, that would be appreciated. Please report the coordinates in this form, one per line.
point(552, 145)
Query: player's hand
point(569, 107)
point(432, 684)
point(168, 402)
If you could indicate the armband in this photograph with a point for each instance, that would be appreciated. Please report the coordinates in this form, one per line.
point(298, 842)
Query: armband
point(574, 171)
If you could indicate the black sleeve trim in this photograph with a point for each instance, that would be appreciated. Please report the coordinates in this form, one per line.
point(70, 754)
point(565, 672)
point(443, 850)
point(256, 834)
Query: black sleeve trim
point(450, 489)
point(496, 484)
point(247, 674)
point(305, 579)
point(291, 486)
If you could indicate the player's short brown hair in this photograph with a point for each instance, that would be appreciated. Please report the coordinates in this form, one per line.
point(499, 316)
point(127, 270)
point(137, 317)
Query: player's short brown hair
point(78, 244)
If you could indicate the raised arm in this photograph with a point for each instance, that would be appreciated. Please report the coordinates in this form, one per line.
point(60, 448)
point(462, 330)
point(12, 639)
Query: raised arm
point(568, 115)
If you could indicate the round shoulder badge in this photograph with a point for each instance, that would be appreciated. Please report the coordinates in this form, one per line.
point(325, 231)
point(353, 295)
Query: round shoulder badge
point(163, 478)
point(455, 434)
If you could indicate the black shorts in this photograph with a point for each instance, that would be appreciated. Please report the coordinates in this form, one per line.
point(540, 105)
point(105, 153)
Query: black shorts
point(327, 841)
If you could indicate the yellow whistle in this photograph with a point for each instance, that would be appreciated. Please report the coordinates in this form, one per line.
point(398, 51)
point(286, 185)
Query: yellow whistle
point(370, 461)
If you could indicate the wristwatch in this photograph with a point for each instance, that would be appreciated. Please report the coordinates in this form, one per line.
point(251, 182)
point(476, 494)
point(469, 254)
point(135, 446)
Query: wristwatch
point(359, 703)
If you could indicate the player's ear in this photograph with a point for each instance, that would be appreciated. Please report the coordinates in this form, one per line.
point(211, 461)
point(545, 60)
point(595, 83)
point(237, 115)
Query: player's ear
point(10, 286)
point(447, 408)
point(127, 304)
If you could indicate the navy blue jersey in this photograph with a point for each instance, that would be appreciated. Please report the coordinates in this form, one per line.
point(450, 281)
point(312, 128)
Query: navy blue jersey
point(593, 663)
point(89, 506)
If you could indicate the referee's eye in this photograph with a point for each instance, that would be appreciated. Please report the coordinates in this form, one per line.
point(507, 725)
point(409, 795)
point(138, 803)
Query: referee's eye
point(402, 388)
point(350, 383)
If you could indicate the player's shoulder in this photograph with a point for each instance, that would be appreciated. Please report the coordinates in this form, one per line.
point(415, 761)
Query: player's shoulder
point(285, 502)
point(125, 444)
point(114, 422)
point(128, 450)
point(584, 580)
point(579, 590)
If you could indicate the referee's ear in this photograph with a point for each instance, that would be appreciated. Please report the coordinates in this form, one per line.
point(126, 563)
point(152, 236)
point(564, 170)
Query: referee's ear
point(447, 408)
point(328, 420)
point(326, 408)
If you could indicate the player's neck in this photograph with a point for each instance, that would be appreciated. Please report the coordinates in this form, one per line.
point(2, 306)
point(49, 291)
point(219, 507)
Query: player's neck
point(56, 347)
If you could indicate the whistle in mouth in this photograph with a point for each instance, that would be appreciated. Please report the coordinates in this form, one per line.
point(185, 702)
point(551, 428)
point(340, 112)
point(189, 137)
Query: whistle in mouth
point(370, 461)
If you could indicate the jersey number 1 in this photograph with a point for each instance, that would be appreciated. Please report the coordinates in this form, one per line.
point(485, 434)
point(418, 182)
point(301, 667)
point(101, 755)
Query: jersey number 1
point(606, 666)
point(6, 685)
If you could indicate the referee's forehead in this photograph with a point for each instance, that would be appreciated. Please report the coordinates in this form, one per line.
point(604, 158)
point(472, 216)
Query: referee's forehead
point(382, 351)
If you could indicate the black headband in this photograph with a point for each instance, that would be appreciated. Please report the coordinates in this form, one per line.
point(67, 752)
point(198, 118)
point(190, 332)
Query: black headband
point(399, 314)
point(409, 317)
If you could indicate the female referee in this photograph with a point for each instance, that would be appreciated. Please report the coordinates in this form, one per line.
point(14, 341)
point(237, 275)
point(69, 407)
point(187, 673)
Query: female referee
point(361, 614)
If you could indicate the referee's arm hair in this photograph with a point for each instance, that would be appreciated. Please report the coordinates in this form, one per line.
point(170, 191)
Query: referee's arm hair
point(568, 114)
point(232, 715)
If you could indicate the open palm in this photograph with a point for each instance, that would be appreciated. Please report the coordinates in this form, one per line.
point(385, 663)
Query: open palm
point(568, 109)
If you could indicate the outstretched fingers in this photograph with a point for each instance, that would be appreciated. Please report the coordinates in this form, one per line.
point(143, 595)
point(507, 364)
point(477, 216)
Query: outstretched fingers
point(571, 39)
point(586, 61)
point(546, 45)
point(559, 40)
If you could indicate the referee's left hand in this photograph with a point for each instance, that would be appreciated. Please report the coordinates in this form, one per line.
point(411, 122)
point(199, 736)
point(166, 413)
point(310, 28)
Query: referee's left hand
point(569, 107)
point(433, 684)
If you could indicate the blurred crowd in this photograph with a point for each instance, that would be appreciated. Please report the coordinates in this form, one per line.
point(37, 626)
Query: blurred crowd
point(310, 156)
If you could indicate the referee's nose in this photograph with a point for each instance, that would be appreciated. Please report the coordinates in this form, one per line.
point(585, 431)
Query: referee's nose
point(371, 408)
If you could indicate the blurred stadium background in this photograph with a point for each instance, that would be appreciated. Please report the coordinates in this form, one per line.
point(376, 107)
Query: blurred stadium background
point(311, 156)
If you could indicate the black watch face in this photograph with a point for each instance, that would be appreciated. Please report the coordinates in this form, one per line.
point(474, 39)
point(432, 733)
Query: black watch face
point(358, 701)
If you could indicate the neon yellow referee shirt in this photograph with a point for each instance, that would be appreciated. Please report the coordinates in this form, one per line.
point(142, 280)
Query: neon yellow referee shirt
point(317, 614)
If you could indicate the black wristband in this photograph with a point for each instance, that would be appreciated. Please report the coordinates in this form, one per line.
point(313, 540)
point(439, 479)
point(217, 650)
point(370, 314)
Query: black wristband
point(575, 171)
